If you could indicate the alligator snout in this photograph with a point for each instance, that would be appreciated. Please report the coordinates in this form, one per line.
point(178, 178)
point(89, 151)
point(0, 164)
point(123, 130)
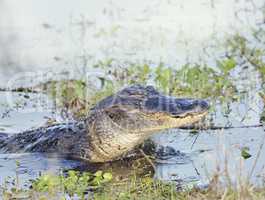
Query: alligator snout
point(176, 107)
point(185, 107)
point(201, 106)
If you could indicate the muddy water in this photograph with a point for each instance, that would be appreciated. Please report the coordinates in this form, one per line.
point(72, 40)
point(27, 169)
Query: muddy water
point(39, 39)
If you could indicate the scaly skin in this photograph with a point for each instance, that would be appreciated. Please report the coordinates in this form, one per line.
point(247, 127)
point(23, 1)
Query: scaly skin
point(115, 126)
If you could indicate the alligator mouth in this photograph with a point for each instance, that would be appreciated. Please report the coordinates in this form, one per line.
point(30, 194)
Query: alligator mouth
point(199, 114)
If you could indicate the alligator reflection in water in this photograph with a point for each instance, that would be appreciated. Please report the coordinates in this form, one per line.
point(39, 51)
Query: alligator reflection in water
point(30, 165)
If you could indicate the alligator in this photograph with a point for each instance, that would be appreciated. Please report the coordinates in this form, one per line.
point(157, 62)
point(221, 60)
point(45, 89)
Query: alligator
point(112, 128)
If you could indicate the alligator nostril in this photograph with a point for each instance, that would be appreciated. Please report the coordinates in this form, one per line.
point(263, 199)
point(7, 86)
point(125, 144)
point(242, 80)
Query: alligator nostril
point(203, 105)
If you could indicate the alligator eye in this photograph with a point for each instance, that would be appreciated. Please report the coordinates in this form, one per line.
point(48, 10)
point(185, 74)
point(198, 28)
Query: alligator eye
point(150, 88)
point(111, 115)
point(115, 113)
point(138, 96)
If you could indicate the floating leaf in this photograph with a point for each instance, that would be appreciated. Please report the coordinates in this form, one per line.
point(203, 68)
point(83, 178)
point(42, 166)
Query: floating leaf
point(245, 153)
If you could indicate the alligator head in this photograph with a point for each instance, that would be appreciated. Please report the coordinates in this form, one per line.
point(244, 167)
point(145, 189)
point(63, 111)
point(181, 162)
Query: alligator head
point(120, 122)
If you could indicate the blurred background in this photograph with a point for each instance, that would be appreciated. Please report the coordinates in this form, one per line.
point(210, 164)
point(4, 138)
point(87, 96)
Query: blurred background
point(63, 35)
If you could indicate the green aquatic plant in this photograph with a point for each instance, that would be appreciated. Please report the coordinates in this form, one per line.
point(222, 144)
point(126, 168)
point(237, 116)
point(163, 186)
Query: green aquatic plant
point(73, 183)
point(138, 74)
point(226, 65)
point(204, 81)
point(101, 186)
point(247, 51)
point(245, 153)
point(163, 78)
point(190, 80)
point(187, 80)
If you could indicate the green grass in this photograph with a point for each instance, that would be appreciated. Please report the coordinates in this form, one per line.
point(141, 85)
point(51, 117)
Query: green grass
point(102, 186)
point(133, 185)
point(197, 81)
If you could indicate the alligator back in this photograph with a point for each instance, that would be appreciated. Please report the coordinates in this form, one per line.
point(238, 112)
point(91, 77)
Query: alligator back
point(63, 138)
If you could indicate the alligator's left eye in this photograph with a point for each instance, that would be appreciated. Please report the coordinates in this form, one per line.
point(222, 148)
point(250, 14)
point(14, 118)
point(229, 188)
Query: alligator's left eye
point(115, 113)
point(150, 88)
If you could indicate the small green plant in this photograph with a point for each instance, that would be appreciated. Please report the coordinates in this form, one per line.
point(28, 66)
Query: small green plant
point(204, 81)
point(240, 47)
point(226, 65)
point(73, 183)
point(138, 74)
point(163, 78)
